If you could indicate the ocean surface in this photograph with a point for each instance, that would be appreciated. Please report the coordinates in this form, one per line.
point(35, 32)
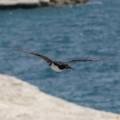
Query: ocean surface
point(63, 33)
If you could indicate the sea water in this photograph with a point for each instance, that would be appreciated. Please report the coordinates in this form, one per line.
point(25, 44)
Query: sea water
point(63, 33)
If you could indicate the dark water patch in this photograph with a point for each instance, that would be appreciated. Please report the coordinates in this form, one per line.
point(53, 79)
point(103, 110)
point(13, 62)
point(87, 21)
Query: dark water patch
point(65, 33)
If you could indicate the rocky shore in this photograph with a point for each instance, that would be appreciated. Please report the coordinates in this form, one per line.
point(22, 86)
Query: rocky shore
point(4, 4)
point(22, 101)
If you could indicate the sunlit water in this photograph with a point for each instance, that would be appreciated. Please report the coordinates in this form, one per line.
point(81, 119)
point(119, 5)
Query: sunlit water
point(91, 30)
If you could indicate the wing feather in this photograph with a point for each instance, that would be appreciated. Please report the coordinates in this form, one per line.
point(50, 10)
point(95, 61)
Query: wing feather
point(48, 60)
point(74, 61)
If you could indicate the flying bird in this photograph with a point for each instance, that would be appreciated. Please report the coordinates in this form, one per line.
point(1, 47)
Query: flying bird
point(59, 66)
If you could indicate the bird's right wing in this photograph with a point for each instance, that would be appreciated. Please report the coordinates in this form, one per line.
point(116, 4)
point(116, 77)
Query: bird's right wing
point(48, 60)
point(74, 61)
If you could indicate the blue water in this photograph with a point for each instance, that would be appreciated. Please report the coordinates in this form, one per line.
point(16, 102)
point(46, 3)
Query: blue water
point(91, 30)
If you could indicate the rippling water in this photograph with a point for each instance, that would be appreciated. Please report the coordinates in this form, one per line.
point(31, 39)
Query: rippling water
point(91, 30)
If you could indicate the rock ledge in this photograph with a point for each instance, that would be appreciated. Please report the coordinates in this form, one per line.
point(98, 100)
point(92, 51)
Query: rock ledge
point(7, 4)
point(22, 101)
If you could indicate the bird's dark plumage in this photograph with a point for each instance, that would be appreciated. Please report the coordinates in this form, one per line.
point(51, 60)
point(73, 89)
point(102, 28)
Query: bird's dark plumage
point(74, 61)
point(48, 60)
point(59, 66)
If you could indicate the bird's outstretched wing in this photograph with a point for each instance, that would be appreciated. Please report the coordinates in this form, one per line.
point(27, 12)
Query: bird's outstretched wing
point(74, 61)
point(48, 60)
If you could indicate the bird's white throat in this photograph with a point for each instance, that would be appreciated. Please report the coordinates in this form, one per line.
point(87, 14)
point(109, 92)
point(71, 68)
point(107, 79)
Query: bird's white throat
point(55, 68)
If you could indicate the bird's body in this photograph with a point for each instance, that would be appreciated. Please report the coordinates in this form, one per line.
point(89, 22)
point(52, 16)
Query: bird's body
point(55, 68)
point(57, 65)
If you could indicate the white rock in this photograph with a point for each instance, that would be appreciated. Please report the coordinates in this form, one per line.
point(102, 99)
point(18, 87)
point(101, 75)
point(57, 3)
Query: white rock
point(22, 101)
point(14, 2)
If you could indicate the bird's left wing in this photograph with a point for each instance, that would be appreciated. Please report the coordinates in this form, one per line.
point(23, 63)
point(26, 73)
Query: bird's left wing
point(48, 60)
